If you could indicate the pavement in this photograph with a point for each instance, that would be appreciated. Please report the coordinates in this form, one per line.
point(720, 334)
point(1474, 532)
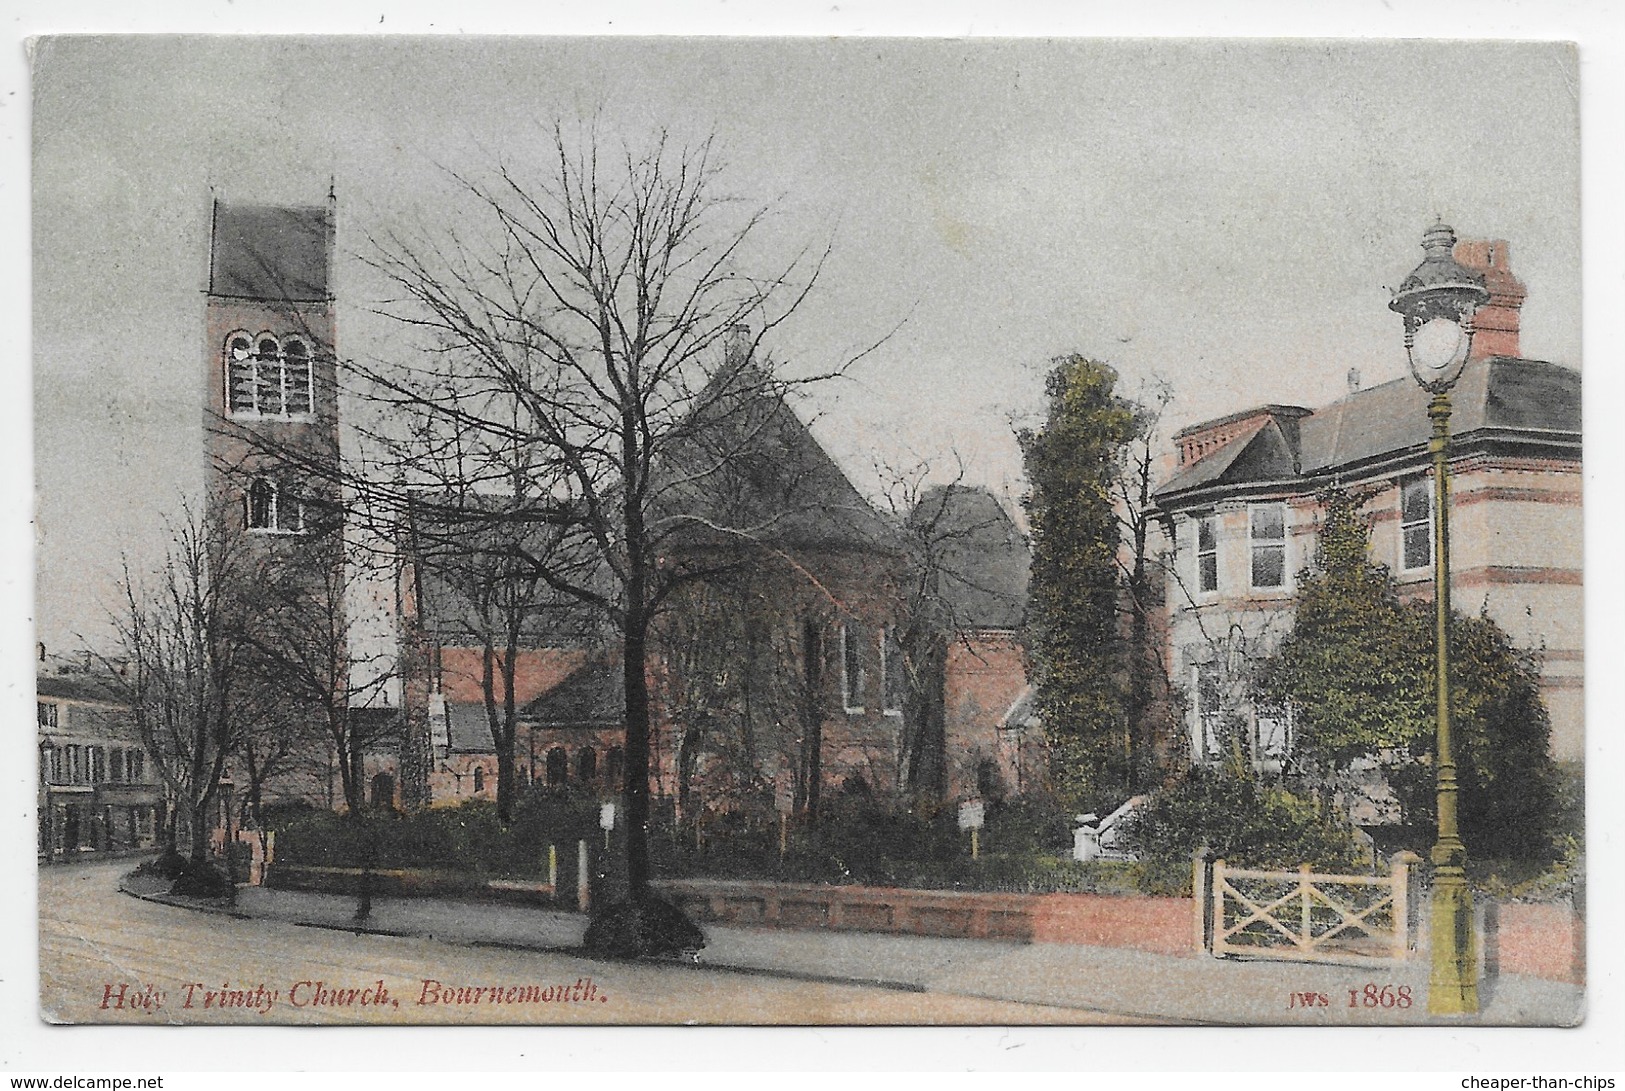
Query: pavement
point(1136, 986)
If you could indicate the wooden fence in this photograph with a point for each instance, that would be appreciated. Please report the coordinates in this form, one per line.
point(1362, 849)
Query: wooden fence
point(1304, 916)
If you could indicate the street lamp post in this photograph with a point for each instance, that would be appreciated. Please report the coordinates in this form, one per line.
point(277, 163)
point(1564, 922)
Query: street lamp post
point(1437, 302)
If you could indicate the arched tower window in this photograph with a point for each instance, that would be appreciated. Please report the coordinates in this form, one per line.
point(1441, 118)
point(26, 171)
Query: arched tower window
point(297, 377)
point(262, 505)
point(267, 377)
point(240, 395)
point(558, 767)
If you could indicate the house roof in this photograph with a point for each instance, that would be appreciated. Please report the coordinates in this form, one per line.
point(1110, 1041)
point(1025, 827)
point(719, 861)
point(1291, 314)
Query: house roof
point(1497, 398)
point(271, 253)
point(77, 687)
point(982, 560)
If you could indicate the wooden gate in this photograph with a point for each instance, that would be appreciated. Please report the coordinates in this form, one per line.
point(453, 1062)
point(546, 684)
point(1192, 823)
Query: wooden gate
point(1307, 917)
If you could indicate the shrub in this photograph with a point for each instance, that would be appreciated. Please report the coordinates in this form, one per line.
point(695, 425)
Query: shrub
point(201, 880)
point(1239, 819)
point(469, 837)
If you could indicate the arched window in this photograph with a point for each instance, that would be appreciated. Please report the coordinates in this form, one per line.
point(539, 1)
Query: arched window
point(262, 505)
point(587, 763)
point(267, 509)
point(266, 377)
point(614, 766)
point(383, 790)
point(479, 780)
point(296, 377)
point(558, 767)
point(268, 372)
point(240, 395)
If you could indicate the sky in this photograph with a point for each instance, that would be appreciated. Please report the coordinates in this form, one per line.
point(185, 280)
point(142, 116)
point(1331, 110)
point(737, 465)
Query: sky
point(1222, 216)
point(1218, 214)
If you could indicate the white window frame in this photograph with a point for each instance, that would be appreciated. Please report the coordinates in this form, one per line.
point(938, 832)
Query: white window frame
point(1255, 544)
point(1427, 521)
point(889, 651)
point(257, 369)
point(275, 522)
point(1209, 522)
point(851, 650)
point(1207, 728)
point(1277, 714)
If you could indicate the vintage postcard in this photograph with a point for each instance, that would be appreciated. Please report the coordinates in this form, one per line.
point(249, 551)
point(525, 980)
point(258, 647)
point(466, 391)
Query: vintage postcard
point(808, 531)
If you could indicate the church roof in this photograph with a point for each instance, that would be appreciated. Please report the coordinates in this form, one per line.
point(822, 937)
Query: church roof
point(1498, 399)
point(748, 469)
point(269, 253)
point(982, 560)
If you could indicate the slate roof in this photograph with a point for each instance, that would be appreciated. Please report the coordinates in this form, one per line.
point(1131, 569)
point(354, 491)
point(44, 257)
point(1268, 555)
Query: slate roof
point(750, 463)
point(983, 559)
point(592, 695)
point(76, 687)
point(1497, 399)
point(269, 253)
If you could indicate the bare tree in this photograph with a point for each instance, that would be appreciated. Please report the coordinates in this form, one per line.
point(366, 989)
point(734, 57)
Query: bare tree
point(184, 643)
point(580, 340)
point(964, 569)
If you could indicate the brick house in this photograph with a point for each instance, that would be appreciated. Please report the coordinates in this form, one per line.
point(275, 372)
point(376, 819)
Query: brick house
point(1241, 514)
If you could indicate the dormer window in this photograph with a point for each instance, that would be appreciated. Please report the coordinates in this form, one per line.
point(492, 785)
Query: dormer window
point(266, 377)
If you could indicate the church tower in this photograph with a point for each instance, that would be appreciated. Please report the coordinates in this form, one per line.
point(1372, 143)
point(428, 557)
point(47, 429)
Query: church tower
point(271, 405)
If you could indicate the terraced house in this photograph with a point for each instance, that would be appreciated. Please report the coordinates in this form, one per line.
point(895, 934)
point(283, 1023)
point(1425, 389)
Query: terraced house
point(98, 791)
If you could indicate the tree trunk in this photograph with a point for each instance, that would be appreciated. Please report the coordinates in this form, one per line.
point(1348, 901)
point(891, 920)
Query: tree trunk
point(636, 791)
point(812, 724)
point(928, 760)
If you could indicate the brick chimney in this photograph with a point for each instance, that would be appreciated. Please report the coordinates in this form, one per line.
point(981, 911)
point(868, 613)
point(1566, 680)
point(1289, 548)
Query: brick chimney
point(1496, 323)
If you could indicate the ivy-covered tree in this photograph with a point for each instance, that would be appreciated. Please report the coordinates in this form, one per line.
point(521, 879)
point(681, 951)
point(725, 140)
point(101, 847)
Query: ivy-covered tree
point(1073, 465)
point(1357, 670)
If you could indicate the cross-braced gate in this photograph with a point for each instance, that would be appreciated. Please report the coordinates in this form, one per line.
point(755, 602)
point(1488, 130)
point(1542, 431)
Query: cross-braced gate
point(1308, 917)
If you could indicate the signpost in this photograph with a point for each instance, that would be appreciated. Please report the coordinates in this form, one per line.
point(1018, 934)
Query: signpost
point(606, 821)
point(971, 813)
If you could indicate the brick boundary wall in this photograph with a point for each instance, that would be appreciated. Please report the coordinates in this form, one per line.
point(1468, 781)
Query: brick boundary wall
point(1158, 925)
point(1545, 940)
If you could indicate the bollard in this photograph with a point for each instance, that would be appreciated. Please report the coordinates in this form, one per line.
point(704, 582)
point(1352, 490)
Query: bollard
point(553, 869)
point(583, 879)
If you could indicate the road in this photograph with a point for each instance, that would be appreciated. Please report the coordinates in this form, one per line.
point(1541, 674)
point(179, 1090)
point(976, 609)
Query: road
point(106, 957)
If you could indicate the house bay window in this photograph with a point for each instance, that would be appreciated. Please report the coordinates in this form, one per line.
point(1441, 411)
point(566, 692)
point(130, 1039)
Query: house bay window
point(1416, 524)
point(1273, 724)
point(1207, 554)
point(1266, 532)
point(1209, 726)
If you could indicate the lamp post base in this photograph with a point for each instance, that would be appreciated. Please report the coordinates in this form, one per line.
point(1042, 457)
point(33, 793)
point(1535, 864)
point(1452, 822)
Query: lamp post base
point(1453, 984)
